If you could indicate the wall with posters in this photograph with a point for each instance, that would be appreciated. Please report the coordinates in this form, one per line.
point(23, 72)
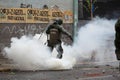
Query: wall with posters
point(15, 22)
point(34, 15)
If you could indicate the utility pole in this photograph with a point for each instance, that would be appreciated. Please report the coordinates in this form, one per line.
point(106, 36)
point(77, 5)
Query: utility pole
point(75, 18)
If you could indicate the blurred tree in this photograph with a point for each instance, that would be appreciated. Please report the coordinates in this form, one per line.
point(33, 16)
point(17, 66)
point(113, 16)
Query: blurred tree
point(90, 7)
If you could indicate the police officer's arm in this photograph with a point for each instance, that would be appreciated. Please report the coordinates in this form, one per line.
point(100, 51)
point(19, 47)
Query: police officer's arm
point(48, 29)
point(66, 33)
point(117, 25)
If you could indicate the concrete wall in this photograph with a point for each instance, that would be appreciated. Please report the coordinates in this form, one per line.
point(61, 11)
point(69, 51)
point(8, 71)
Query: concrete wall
point(9, 30)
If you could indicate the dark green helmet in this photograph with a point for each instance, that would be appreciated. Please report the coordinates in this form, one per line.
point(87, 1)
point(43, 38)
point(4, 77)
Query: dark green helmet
point(58, 21)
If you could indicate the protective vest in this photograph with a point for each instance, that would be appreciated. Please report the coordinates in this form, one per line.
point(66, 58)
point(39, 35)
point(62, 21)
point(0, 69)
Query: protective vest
point(54, 36)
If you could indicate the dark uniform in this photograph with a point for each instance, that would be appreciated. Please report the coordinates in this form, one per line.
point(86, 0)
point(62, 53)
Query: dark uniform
point(117, 39)
point(54, 32)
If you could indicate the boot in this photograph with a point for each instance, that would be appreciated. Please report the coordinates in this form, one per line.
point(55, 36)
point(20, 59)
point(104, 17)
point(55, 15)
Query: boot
point(59, 56)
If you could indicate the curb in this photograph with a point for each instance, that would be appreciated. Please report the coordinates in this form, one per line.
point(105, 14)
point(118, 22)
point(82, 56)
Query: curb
point(5, 69)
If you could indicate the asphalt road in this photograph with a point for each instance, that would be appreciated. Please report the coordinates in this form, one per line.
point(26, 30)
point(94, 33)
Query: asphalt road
point(79, 72)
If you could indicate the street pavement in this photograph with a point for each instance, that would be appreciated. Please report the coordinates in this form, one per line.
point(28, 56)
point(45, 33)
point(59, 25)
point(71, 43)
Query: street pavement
point(81, 71)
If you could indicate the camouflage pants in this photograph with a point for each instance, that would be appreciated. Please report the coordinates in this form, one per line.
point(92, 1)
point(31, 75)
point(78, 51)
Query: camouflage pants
point(58, 48)
point(117, 51)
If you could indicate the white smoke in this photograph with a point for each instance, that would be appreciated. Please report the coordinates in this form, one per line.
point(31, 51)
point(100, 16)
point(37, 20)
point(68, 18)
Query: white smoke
point(31, 54)
point(93, 43)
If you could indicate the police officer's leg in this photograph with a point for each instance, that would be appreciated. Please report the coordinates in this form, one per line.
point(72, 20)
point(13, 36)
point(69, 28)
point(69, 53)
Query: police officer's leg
point(50, 47)
point(59, 50)
point(117, 51)
point(119, 65)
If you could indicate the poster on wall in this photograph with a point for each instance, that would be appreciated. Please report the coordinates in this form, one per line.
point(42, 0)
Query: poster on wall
point(37, 11)
point(24, 17)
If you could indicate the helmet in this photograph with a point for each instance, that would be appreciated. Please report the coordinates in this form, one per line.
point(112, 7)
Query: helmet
point(60, 21)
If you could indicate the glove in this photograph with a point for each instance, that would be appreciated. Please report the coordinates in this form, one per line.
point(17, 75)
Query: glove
point(71, 38)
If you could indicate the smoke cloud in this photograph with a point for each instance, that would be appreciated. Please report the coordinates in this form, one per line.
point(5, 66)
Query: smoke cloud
point(94, 42)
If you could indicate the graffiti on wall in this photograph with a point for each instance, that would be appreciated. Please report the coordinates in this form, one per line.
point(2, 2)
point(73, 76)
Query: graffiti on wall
point(17, 29)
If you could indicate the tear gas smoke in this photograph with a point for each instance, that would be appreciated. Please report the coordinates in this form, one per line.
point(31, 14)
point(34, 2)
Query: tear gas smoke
point(31, 54)
point(93, 43)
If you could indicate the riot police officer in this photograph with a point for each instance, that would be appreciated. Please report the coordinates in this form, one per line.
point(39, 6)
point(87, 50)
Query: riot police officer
point(54, 32)
point(117, 40)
